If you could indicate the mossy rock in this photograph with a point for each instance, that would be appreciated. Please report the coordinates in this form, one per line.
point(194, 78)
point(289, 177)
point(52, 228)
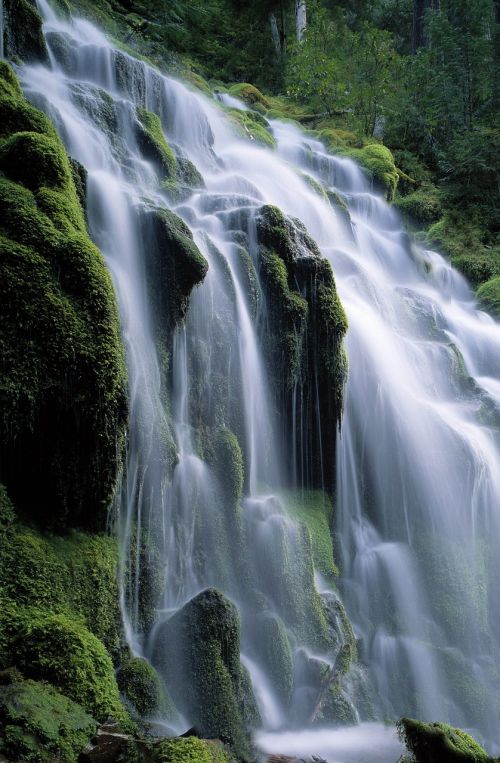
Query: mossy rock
point(277, 655)
point(432, 742)
point(153, 143)
point(198, 651)
point(249, 94)
point(378, 163)
point(488, 295)
point(252, 126)
point(227, 461)
point(143, 688)
point(23, 36)
point(74, 575)
point(315, 509)
point(40, 725)
point(54, 648)
point(63, 393)
point(174, 267)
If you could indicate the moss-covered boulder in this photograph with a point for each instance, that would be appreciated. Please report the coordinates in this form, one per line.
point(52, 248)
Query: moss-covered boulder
point(306, 326)
point(74, 575)
point(23, 36)
point(488, 295)
point(421, 207)
point(54, 648)
point(143, 688)
point(39, 725)
point(174, 267)
point(432, 742)
point(277, 655)
point(378, 163)
point(249, 94)
point(198, 651)
point(252, 126)
point(153, 143)
point(63, 389)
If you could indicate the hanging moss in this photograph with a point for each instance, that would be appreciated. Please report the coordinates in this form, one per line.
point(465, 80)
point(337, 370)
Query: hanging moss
point(198, 650)
point(431, 742)
point(23, 31)
point(63, 392)
point(39, 725)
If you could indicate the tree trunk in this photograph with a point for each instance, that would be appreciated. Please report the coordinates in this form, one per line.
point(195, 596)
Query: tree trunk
point(419, 9)
point(300, 18)
point(283, 28)
point(496, 54)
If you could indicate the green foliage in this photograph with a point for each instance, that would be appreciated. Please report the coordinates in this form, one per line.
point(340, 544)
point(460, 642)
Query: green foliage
point(23, 37)
point(54, 648)
point(143, 688)
point(63, 390)
point(431, 742)
point(192, 750)
point(488, 295)
point(39, 725)
point(422, 207)
point(315, 509)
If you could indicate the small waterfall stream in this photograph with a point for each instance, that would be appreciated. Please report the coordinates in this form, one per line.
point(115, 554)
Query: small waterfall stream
point(418, 480)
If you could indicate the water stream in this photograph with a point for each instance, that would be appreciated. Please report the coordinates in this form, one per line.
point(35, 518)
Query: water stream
point(418, 477)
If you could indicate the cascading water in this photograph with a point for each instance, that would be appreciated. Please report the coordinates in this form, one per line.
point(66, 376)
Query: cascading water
point(417, 460)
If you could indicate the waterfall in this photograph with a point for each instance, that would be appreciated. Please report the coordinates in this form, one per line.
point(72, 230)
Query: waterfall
point(417, 458)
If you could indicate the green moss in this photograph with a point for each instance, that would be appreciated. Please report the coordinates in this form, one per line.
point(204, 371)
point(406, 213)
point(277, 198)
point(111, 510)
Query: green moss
point(198, 650)
point(174, 266)
point(75, 574)
point(488, 295)
point(63, 389)
point(378, 163)
point(315, 509)
point(153, 143)
point(252, 126)
point(192, 750)
point(277, 655)
point(23, 31)
point(249, 94)
point(227, 463)
point(143, 688)
point(39, 725)
point(431, 742)
point(54, 648)
point(314, 185)
point(334, 138)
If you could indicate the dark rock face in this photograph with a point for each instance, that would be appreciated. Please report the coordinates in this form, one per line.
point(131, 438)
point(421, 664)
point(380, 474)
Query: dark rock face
point(306, 326)
point(204, 667)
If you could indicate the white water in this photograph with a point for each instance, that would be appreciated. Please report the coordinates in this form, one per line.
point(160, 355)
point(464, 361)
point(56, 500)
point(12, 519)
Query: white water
point(417, 464)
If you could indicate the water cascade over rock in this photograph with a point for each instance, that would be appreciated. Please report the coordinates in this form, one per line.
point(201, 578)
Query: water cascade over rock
point(221, 252)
